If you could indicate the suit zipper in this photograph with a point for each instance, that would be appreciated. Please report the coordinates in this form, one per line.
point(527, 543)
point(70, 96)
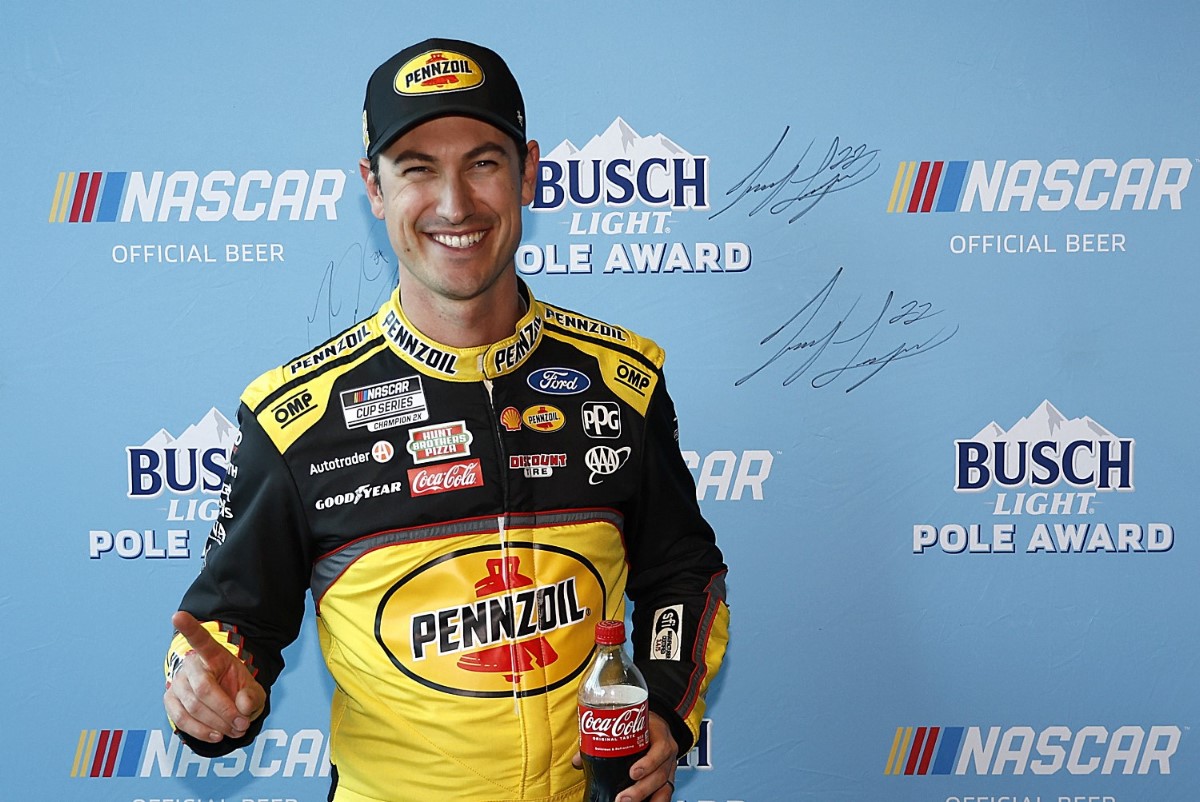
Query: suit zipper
point(502, 527)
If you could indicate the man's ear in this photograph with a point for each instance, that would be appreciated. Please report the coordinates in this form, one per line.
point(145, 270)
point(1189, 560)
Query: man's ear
point(371, 181)
point(529, 172)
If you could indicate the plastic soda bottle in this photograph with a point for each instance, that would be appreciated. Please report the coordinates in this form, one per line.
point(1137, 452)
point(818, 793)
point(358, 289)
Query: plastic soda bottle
point(614, 729)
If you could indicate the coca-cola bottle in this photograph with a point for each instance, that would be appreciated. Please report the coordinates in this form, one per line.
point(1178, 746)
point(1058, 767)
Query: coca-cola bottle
point(614, 729)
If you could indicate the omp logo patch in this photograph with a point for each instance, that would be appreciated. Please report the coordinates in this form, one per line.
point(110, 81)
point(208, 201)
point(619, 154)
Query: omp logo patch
point(633, 377)
point(294, 407)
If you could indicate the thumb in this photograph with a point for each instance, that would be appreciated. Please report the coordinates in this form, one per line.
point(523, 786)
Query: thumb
point(250, 700)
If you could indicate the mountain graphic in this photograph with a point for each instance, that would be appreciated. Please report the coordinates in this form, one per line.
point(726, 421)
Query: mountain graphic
point(620, 141)
point(213, 430)
point(1046, 423)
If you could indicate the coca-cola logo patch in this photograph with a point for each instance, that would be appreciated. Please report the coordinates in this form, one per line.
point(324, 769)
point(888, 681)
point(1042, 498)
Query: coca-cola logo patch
point(487, 620)
point(444, 478)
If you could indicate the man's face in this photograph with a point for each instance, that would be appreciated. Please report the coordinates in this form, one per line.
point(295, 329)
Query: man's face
point(450, 192)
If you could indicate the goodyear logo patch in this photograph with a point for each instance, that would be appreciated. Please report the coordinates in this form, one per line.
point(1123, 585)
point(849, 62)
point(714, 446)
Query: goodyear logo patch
point(478, 622)
point(438, 71)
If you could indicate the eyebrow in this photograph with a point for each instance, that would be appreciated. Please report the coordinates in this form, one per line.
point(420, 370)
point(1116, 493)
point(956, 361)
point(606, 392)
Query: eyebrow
point(485, 149)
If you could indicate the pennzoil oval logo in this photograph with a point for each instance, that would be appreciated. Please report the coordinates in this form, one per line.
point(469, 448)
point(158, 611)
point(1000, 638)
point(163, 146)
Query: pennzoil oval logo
point(438, 71)
point(478, 622)
point(543, 418)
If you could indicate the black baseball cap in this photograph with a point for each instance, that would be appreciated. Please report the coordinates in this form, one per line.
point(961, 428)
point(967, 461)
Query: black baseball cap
point(437, 78)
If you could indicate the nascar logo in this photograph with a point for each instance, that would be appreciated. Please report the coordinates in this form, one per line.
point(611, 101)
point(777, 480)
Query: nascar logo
point(384, 405)
point(122, 197)
point(963, 186)
point(154, 753)
point(1015, 750)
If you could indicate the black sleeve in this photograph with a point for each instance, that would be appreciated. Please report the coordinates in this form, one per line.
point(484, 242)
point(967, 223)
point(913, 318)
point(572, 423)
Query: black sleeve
point(257, 563)
point(676, 580)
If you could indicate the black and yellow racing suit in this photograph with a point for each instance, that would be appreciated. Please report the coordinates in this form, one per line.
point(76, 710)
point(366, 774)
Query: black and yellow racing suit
point(463, 517)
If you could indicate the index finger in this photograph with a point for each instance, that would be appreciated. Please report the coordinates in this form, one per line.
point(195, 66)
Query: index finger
point(199, 638)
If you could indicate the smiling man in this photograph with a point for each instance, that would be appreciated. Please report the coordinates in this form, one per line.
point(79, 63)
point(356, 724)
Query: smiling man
point(450, 192)
point(466, 482)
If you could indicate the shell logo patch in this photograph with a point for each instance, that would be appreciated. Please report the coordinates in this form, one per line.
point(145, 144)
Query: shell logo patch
point(478, 622)
point(511, 419)
point(438, 71)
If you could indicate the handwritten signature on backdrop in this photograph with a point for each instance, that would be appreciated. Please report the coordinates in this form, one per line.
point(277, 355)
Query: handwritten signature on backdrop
point(799, 188)
point(855, 353)
point(351, 288)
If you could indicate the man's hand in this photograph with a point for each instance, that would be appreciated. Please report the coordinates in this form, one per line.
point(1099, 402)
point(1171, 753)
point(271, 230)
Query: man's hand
point(213, 695)
point(655, 772)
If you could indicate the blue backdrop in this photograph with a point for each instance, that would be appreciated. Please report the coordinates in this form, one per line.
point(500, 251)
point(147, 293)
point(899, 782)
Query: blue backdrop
point(924, 275)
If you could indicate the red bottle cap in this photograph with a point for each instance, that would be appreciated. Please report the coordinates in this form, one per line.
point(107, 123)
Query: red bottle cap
point(610, 633)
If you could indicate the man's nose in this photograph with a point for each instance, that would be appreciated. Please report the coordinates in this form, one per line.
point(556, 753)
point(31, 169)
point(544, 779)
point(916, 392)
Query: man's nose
point(455, 202)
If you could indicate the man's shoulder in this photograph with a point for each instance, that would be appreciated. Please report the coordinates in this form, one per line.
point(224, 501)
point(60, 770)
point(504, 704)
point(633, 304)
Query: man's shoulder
point(575, 325)
point(282, 397)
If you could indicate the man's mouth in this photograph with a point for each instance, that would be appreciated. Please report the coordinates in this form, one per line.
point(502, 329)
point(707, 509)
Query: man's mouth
point(458, 240)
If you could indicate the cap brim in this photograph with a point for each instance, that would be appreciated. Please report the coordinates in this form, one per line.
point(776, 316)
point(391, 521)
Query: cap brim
point(390, 135)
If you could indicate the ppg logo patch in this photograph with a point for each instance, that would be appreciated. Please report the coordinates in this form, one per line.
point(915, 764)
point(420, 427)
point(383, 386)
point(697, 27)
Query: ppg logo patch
point(668, 633)
point(601, 419)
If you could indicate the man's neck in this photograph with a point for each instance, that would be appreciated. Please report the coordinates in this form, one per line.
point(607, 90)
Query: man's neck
point(482, 320)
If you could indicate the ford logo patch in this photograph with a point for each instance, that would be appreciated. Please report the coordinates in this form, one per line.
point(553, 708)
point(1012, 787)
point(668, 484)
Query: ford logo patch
point(559, 381)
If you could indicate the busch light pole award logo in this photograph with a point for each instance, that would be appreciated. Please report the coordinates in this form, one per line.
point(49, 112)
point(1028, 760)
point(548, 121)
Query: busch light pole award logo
point(1050, 482)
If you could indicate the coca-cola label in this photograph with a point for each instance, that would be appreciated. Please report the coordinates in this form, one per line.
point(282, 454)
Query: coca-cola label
point(613, 732)
point(444, 478)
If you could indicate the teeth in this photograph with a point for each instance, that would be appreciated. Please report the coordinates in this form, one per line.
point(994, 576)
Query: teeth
point(458, 240)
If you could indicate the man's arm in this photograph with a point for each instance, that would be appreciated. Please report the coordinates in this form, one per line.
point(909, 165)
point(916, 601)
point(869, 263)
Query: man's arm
point(247, 602)
point(676, 581)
